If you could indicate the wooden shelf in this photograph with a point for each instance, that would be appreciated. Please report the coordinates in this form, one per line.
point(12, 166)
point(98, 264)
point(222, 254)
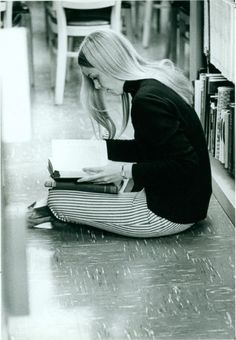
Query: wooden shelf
point(223, 188)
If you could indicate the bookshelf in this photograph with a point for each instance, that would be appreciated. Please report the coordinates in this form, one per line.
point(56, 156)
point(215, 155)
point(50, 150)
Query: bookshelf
point(213, 33)
point(221, 45)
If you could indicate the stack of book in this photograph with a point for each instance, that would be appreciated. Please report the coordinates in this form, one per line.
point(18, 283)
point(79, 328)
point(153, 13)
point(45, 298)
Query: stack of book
point(214, 104)
point(69, 157)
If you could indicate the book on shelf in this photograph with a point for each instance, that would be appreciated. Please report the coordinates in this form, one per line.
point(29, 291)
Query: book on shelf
point(212, 126)
point(231, 140)
point(204, 88)
point(70, 156)
point(214, 100)
point(224, 98)
point(225, 146)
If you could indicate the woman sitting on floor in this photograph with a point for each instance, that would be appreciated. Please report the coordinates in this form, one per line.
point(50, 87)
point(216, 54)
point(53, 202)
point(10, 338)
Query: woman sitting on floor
point(167, 159)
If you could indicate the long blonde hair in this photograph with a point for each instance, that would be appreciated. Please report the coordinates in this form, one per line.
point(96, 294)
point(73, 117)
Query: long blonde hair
point(111, 53)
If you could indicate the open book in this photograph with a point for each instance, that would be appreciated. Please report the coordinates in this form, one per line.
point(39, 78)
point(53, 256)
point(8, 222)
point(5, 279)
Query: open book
point(70, 156)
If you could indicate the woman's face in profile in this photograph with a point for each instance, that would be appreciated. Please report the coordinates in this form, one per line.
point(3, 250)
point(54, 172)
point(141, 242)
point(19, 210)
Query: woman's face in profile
point(104, 82)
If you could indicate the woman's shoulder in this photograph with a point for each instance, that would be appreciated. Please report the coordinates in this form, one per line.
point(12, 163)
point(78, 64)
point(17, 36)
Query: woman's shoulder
point(151, 83)
point(152, 89)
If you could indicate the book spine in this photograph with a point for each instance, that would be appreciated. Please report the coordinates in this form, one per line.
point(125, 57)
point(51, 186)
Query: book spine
point(214, 109)
point(217, 135)
point(225, 95)
point(222, 136)
point(210, 129)
point(226, 138)
point(211, 139)
point(203, 99)
point(231, 148)
point(89, 187)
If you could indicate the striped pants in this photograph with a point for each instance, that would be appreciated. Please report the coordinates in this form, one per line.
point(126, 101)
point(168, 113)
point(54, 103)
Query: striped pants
point(125, 214)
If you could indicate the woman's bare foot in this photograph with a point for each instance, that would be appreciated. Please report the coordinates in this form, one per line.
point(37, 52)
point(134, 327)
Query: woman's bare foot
point(38, 215)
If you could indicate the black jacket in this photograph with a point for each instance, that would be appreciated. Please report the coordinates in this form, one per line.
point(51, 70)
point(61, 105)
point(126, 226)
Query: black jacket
point(170, 150)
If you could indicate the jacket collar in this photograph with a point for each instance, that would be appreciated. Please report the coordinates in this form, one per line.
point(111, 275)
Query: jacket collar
point(131, 86)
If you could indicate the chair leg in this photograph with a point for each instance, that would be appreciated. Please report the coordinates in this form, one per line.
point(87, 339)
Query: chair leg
point(136, 27)
point(7, 19)
point(172, 42)
point(61, 68)
point(181, 57)
point(69, 60)
point(27, 22)
point(158, 20)
point(52, 55)
point(128, 23)
point(168, 29)
point(46, 23)
point(147, 23)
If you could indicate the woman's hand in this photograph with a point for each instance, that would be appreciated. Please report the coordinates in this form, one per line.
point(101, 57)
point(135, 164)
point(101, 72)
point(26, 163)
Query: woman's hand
point(103, 175)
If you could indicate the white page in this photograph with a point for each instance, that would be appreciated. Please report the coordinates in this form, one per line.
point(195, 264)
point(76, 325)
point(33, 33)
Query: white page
point(71, 155)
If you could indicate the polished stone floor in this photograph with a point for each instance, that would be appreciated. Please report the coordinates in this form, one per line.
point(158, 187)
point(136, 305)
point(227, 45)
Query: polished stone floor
point(87, 284)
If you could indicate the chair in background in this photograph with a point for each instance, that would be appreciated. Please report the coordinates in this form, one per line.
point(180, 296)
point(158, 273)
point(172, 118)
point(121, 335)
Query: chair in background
point(5, 14)
point(183, 36)
point(68, 20)
point(127, 18)
point(2, 10)
point(149, 7)
point(177, 28)
point(179, 32)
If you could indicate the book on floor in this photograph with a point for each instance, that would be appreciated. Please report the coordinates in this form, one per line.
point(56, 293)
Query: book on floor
point(70, 156)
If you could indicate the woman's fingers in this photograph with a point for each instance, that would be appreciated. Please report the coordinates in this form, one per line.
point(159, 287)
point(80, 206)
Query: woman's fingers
point(95, 174)
point(107, 174)
point(102, 181)
point(97, 179)
point(89, 178)
point(93, 170)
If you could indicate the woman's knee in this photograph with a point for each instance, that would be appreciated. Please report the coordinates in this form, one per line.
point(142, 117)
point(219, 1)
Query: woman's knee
point(56, 210)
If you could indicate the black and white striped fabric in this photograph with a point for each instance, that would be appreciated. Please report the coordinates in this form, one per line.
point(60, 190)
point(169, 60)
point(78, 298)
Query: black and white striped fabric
point(125, 214)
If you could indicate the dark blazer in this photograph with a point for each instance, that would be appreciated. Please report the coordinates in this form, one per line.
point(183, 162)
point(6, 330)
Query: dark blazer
point(170, 152)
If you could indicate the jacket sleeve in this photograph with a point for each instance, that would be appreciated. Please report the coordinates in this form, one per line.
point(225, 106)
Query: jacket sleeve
point(123, 150)
point(170, 157)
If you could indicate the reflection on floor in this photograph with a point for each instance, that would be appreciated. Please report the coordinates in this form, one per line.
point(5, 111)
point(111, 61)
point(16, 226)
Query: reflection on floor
point(86, 284)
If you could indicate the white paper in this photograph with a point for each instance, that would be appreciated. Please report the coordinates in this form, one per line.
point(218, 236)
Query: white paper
point(72, 155)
